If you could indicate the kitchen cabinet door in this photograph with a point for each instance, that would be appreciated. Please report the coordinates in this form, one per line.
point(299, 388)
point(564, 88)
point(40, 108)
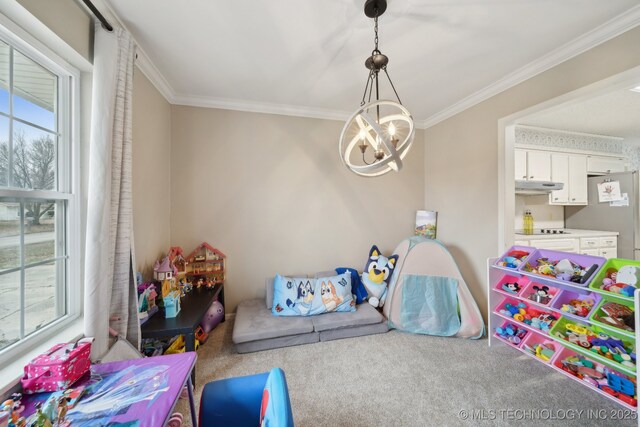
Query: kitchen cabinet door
point(597, 165)
point(539, 165)
point(609, 253)
point(562, 244)
point(577, 180)
point(521, 164)
point(560, 173)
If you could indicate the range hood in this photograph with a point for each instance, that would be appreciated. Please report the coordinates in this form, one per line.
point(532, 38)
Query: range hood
point(537, 187)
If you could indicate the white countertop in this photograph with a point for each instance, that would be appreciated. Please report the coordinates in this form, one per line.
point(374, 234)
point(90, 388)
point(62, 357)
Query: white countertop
point(571, 233)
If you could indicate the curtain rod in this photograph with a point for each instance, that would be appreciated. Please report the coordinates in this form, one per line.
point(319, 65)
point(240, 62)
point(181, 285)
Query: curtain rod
point(100, 16)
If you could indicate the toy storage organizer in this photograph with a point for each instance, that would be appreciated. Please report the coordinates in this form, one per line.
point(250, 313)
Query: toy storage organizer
point(510, 323)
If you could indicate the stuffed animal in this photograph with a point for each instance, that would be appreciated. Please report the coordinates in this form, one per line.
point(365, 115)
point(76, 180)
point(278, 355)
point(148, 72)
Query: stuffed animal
point(212, 317)
point(628, 275)
point(376, 274)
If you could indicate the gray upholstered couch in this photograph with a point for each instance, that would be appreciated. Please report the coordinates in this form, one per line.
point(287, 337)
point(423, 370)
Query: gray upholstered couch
point(256, 329)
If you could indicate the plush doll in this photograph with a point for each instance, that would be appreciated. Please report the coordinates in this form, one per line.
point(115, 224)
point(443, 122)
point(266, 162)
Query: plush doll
point(376, 274)
point(212, 317)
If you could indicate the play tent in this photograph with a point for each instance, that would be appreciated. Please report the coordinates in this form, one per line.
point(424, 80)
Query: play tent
point(428, 295)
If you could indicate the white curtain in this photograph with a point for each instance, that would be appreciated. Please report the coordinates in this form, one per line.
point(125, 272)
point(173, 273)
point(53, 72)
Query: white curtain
point(110, 291)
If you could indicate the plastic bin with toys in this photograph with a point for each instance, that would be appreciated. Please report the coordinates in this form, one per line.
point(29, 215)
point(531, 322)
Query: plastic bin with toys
point(610, 348)
point(540, 346)
point(618, 279)
point(575, 305)
point(617, 315)
point(511, 334)
point(514, 257)
point(561, 268)
point(511, 285)
point(607, 380)
point(531, 316)
point(539, 293)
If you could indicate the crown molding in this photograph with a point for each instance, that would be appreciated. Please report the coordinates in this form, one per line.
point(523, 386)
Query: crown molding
point(142, 61)
point(264, 107)
point(260, 107)
point(154, 75)
point(610, 29)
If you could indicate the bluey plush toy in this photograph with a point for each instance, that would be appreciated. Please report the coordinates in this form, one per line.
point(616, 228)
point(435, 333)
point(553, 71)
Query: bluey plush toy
point(376, 275)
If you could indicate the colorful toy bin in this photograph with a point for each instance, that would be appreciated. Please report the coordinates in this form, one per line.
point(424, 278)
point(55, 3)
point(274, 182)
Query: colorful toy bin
point(607, 283)
point(610, 348)
point(607, 381)
point(511, 285)
point(616, 316)
point(511, 334)
point(514, 257)
point(560, 268)
point(540, 293)
point(575, 305)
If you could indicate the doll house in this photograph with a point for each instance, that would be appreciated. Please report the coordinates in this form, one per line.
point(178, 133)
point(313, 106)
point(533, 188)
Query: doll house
point(206, 263)
point(177, 261)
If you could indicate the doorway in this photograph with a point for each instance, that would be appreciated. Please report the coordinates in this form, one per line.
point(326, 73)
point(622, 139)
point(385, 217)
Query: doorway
point(508, 126)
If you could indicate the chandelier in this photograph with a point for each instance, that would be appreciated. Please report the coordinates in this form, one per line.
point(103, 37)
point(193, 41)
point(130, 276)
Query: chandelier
point(379, 134)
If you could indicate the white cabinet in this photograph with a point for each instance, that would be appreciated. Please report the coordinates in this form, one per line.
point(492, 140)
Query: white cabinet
point(532, 165)
point(564, 245)
point(601, 165)
point(560, 173)
point(571, 170)
point(608, 253)
point(606, 247)
point(521, 164)
point(577, 180)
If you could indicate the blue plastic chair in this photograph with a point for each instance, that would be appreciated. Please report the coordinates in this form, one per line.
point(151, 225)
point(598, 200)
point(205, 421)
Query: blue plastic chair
point(238, 401)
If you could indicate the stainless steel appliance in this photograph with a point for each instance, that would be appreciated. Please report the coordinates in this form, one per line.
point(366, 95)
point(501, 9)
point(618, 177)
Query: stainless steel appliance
point(601, 216)
point(532, 188)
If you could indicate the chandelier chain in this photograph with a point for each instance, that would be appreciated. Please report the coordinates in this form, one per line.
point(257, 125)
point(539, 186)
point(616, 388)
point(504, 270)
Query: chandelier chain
point(375, 29)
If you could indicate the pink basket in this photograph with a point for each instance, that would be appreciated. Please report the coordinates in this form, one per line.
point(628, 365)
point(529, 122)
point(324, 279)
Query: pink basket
point(58, 368)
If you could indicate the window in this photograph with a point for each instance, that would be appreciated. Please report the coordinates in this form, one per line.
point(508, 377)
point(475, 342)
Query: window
point(39, 225)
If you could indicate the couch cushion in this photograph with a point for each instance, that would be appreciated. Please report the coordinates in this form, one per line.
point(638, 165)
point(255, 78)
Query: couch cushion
point(355, 331)
point(271, 343)
point(255, 322)
point(365, 314)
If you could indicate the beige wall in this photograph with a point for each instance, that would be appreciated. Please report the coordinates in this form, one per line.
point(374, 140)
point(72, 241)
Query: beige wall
point(461, 155)
point(68, 20)
point(151, 173)
point(271, 193)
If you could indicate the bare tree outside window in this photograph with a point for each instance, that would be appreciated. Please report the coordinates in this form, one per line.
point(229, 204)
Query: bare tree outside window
point(34, 164)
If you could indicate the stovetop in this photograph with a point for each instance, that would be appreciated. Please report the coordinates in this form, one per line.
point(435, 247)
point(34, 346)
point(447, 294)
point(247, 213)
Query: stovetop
point(544, 231)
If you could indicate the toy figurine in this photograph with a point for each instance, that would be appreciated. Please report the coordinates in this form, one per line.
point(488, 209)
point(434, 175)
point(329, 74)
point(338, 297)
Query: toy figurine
point(62, 411)
point(13, 407)
point(39, 418)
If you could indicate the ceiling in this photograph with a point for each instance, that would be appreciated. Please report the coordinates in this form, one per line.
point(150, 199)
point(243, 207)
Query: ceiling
point(289, 55)
point(613, 114)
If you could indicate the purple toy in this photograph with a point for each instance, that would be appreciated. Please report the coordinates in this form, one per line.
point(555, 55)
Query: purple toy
point(212, 317)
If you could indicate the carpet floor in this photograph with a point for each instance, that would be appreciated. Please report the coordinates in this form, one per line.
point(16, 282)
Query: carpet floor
point(399, 379)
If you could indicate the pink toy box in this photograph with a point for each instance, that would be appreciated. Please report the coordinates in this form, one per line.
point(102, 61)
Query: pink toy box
point(58, 368)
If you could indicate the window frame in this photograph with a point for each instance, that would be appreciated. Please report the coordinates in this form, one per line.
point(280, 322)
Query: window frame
point(68, 184)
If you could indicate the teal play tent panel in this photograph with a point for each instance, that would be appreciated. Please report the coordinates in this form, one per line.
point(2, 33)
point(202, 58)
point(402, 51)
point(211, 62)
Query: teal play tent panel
point(427, 263)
